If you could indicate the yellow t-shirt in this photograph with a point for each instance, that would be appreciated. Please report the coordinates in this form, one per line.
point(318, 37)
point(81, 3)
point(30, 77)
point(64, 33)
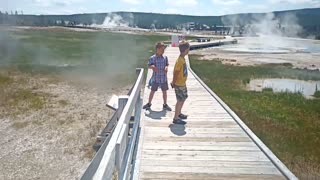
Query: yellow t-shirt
point(181, 66)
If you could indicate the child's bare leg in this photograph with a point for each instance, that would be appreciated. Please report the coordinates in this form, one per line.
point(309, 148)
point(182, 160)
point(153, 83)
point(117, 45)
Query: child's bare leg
point(164, 95)
point(151, 96)
point(178, 108)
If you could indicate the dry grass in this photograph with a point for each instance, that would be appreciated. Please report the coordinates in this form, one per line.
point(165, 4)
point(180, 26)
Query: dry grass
point(4, 80)
point(18, 98)
point(60, 120)
point(63, 102)
point(20, 125)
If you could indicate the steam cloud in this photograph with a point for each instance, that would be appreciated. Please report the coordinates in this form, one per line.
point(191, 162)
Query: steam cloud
point(114, 20)
point(268, 24)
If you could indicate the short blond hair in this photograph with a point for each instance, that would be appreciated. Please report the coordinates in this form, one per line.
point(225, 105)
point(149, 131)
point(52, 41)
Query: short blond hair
point(184, 45)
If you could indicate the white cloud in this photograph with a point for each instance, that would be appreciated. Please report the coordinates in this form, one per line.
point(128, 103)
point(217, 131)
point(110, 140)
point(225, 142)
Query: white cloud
point(227, 2)
point(132, 1)
point(181, 3)
point(295, 1)
point(50, 3)
point(172, 11)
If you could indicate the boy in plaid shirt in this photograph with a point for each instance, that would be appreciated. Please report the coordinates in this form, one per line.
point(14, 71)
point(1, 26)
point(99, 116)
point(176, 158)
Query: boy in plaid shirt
point(159, 64)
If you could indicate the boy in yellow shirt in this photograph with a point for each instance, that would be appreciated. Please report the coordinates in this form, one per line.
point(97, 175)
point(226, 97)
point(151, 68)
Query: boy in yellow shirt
point(180, 75)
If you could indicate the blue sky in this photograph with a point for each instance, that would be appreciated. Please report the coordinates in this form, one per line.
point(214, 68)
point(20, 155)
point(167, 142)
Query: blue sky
point(191, 7)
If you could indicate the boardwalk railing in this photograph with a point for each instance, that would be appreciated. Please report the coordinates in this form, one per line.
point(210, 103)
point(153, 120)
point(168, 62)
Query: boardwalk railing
point(281, 167)
point(116, 153)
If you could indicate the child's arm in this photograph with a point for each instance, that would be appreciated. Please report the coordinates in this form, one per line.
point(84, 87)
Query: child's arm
point(151, 65)
point(176, 71)
point(175, 77)
point(167, 64)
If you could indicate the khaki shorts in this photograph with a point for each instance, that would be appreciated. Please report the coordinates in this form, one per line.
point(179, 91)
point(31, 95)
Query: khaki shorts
point(181, 93)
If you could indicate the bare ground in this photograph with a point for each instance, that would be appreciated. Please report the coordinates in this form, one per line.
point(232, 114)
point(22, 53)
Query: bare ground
point(53, 141)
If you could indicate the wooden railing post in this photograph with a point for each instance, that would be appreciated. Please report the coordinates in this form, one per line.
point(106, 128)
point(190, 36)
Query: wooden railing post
point(122, 101)
point(115, 154)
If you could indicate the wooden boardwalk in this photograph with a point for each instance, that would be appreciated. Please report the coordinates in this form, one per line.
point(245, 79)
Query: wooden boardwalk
point(212, 145)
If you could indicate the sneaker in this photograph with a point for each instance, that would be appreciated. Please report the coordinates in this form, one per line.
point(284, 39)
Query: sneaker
point(147, 106)
point(178, 121)
point(166, 107)
point(183, 116)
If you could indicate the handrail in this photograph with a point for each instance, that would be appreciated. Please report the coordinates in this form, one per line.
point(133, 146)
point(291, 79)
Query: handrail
point(117, 152)
point(280, 166)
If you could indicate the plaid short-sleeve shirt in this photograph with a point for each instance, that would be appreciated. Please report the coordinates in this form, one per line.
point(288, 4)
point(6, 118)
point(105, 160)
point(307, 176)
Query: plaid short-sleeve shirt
point(160, 62)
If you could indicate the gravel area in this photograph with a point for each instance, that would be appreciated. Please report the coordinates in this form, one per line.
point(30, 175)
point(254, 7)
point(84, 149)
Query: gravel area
point(54, 142)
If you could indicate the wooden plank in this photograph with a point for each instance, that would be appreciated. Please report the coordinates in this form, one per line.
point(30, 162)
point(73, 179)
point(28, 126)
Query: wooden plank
point(109, 165)
point(206, 176)
point(191, 117)
point(121, 146)
point(129, 155)
point(200, 143)
point(198, 139)
point(174, 132)
point(205, 163)
point(152, 118)
point(206, 135)
point(195, 130)
point(226, 170)
point(201, 148)
point(178, 157)
point(192, 124)
point(210, 123)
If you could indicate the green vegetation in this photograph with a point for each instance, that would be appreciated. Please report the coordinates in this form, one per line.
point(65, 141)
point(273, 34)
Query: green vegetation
point(286, 122)
point(33, 100)
point(97, 58)
point(317, 94)
point(18, 101)
point(111, 56)
point(4, 80)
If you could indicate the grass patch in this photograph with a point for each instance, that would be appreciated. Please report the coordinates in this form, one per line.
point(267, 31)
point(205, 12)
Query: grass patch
point(28, 99)
point(20, 125)
point(317, 94)
point(267, 90)
point(4, 80)
point(18, 101)
point(105, 57)
point(97, 59)
point(286, 122)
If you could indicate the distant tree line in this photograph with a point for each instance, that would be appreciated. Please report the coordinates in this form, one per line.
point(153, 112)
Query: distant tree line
point(309, 19)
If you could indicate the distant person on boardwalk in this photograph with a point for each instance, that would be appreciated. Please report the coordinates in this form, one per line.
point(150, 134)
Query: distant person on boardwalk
point(159, 64)
point(180, 74)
